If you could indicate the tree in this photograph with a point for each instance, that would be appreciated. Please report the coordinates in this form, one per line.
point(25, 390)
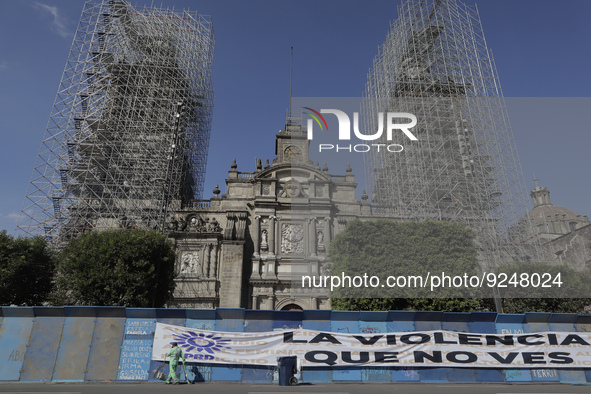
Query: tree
point(385, 248)
point(26, 270)
point(133, 268)
point(545, 287)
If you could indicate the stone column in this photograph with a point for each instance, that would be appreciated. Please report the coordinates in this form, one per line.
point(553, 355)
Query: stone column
point(231, 275)
point(254, 302)
point(256, 273)
point(214, 260)
point(272, 235)
point(207, 261)
point(256, 235)
point(327, 232)
point(312, 236)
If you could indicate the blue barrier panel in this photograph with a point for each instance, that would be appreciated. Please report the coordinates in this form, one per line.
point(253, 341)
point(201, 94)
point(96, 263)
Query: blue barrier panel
point(405, 374)
point(43, 345)
point(346, 374)
point(370, 324)
point(226, 373)
point(376, 374)
point(427, 321)
point(318, 375)
point(566, 322)
point(484, 322)
point(232, 320)
point(14, 338)
point(258, 321)
point(135, 363)
point(229, 319)
point(402, 321)
point(201, 319)
point(583, 324)
point(136, 350)
point(458, 321)
point(175, 317)
point(107, 338)
point(373, 322)
point(345, 322)
point(317, 320)
point(510, 324)
point(538, 322)
point(258, 374)
point(74, 349)
point(287, 319)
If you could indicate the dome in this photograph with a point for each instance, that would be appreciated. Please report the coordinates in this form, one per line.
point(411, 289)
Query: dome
point(547, 221)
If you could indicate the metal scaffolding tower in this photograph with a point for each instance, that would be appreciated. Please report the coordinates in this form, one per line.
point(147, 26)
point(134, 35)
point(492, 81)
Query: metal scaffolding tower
point(129, 132)
point(464, 167)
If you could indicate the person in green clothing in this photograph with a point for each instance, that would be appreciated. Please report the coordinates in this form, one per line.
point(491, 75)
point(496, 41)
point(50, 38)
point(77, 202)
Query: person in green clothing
point(175, 354)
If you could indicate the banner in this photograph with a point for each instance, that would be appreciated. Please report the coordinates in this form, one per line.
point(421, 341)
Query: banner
point(404, 349)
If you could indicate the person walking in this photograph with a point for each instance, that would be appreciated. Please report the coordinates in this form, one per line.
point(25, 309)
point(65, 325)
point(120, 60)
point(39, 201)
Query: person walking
point(175, 354)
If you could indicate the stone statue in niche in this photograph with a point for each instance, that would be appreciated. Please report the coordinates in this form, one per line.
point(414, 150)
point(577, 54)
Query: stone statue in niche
point(190, 264)
point(264, 240)
point(320, 241)
point(292, 238)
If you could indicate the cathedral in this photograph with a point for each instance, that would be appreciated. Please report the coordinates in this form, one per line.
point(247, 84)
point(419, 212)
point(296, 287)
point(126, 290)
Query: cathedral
point(250, 247)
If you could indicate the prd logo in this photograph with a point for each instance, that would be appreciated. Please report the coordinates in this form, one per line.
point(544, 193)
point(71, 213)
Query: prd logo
point(345, 130)
point(201, 342)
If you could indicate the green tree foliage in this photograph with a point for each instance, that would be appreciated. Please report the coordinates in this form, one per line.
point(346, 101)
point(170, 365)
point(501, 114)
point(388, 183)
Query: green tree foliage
point(385, 248)
point(26, 270)
point(569, 291)
point(411, 304)
point(133, 268)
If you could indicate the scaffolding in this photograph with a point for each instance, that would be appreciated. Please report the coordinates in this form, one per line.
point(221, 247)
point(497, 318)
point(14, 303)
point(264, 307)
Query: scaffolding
point(464, 166)
point(128, 135)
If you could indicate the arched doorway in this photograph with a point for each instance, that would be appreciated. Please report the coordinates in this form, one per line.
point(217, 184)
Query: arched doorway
point(292, 307)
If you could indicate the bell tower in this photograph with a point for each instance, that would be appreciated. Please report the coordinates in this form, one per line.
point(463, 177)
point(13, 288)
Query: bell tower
point(292, 145)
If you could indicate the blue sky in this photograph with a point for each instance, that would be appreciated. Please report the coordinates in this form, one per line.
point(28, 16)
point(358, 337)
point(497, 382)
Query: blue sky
point(541, 49)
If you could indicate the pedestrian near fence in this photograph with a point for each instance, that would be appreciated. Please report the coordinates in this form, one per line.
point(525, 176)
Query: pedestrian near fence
point(175, 354)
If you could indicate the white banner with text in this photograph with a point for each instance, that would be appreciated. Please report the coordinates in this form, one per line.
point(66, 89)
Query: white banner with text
point(404, 349)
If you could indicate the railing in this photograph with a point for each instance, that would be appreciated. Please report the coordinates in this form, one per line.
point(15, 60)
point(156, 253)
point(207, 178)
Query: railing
point(196, 204)
point(246, 175)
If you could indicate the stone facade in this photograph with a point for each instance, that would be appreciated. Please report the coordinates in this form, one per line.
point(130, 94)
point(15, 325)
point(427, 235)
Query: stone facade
point(251, 246)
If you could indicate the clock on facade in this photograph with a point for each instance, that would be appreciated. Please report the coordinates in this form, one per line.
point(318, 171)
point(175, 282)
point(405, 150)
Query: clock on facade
point(293, 152)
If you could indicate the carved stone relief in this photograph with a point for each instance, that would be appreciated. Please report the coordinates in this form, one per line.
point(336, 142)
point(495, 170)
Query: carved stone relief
point(292, 189)
point(193, 223)
point(292, 238)
point(190, 264)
